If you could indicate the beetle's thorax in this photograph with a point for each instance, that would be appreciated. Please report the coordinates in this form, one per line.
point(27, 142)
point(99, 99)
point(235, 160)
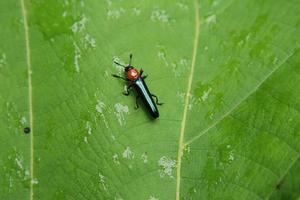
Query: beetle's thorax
point(132, 74)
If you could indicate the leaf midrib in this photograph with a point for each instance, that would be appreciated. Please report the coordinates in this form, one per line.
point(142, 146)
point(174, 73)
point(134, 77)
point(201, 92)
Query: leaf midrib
point(187, 99)
point(30, 105)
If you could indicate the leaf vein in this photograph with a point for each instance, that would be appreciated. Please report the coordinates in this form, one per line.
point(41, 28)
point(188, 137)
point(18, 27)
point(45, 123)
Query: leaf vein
point(187, 99)
point(226, 114)
point(29, 72)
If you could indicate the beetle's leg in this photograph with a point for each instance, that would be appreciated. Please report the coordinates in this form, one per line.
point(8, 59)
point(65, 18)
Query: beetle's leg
point(136, 102)
point(157, 100)
point(116, 76)
point(141, 73)
point(126, 92)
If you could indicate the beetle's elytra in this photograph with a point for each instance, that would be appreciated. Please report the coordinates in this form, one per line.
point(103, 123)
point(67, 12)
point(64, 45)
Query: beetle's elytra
point(135, 80)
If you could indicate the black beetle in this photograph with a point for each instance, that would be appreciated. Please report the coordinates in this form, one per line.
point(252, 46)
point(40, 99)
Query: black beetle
point(136, 80)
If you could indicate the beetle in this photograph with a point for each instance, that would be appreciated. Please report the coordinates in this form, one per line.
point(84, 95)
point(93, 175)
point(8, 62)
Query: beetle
point(136, 80)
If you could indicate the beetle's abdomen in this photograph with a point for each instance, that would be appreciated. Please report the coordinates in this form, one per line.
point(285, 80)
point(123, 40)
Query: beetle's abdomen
point(146, 97)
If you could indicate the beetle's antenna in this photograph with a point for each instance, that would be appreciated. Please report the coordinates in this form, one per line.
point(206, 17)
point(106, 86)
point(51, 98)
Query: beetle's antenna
point(119, 64)
point(130, 59)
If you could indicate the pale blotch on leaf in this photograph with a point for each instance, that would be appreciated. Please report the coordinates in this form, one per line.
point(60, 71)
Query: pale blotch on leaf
point(162, 54)
point(120, 111)
point(88, 127)
point(192, 101)
point(166, 165)
point(159, 16)
point(115, 158)
point(275, 60)
point(85, 139)
point(106, 73)
point(144, 157)
point(77, 56)
point(23, 121)
point(183, 6)
point(65, 13)
point(26, 174)
point(153, 198)
point(89, 41)
point(118, 67)
point(2, 60)
point(128, 154)
point(113, 137)
point(10, 182)
point(136, 11)
point(82, 3)
point(109, 2)
point(206, 94)
point(102, 182)
point(66, 2)
point(187, 149)
point(99, 108)
point(183, 62)
point(231, 153)
point(212, 19)
point(34, 181)
point(79, 25)
point(115, 13)
point(19, 162)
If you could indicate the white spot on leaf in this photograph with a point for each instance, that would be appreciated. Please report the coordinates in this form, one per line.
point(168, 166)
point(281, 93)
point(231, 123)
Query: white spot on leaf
point(88, 127)
point(77, 57)
point(109, 2)
point(3, 60)
point(183, 62)
point(205, 94)
point(79, 25)
point(144, 157)
point(136, 11)
point(23, 121)
point(19, 162)
point(85, 139)
point(212, 19)
point(160, 16)
point(65, 13)
point(166, 165)
point(103, 182)
point(153, 198)
point(89, 41)
point(120, 111)
point(128, 154)
point(182, 6)
point(34, 181)
point(115, 13)
point(116, 159)
point(99, 107)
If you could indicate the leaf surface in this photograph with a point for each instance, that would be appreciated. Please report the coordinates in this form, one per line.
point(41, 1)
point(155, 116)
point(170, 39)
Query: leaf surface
point(227, 72)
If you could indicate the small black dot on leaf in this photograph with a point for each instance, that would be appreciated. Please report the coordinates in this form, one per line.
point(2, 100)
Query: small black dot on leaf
point(26, 130)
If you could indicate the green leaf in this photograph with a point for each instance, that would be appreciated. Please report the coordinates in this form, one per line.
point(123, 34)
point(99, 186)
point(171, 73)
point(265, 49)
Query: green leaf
point(227, 71)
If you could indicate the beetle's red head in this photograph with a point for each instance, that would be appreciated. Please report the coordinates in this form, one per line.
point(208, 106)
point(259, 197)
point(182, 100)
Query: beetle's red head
point(131, 73)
